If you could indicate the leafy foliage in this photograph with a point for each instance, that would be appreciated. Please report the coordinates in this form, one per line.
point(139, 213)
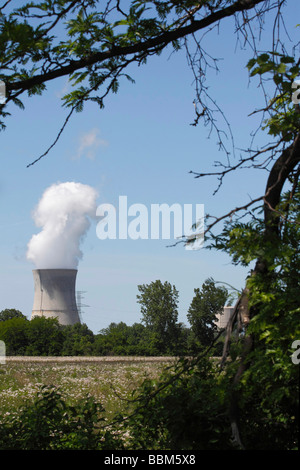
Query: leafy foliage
point(269, 387)
point(50, 423)
point(284, 70)
point(185, 409)
point(44, 337)
point(159, 333)
point(78, 340)
point(159, 313)
point(14, 334)
point(10, 313)
point(93, 43)
point(202, 314)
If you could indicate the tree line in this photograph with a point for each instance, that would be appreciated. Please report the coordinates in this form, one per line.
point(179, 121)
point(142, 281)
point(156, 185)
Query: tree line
point(158, 333)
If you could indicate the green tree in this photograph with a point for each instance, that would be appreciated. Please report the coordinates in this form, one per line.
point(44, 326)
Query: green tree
point(45, 337)
point(260, 384)
point(266, 381)
point(139, 341)
point(268, 312)
point(78, 340)
point(159, 304)
point(202, 314)
point(14, 334)
point(94, 43)
point(121, 339)
point(10, 313)
point(113, 340)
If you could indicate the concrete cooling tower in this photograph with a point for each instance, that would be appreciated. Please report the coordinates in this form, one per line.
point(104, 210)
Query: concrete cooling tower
point(54, 295)
point(223, 318)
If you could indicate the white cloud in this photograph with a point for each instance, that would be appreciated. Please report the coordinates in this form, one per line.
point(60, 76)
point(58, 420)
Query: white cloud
point(89, 143)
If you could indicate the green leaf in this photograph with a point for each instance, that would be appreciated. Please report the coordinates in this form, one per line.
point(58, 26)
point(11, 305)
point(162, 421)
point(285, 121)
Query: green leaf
point(281, 68)
point(251, 63)
point(263, 58)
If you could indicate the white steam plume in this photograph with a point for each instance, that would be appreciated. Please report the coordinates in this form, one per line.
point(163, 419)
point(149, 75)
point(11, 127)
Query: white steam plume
point(64, 213)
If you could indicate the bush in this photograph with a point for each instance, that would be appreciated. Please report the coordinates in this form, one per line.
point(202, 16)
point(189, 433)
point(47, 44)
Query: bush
point(185, 409)
point(51, 423)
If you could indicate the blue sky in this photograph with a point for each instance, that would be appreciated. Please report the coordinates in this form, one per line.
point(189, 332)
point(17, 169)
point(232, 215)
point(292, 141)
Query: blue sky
point(143, 146)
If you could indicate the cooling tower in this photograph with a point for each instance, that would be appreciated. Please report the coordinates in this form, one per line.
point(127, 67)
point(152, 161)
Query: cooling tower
point(224, 317)
point(54, 295)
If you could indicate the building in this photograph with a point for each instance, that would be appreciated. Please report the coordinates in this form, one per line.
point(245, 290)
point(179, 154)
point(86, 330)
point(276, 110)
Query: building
point(54, 295)
point(223, 317)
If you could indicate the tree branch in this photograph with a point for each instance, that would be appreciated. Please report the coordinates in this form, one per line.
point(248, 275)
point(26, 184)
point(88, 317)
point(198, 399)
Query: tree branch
point(159, 42)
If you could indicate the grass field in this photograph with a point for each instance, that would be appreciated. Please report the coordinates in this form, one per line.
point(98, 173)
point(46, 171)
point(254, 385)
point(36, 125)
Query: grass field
point(111, 380)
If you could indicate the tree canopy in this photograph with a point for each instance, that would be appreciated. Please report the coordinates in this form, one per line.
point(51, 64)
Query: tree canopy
point(207, 303)
point(94, 43)
point(10, 313)
point(159, 304)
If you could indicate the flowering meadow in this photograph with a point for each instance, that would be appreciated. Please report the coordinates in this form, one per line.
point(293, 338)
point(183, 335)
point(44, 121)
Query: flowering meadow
point(110, 381)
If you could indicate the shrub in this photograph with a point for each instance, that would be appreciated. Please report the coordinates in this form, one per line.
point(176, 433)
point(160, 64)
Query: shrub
point(51, 423)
